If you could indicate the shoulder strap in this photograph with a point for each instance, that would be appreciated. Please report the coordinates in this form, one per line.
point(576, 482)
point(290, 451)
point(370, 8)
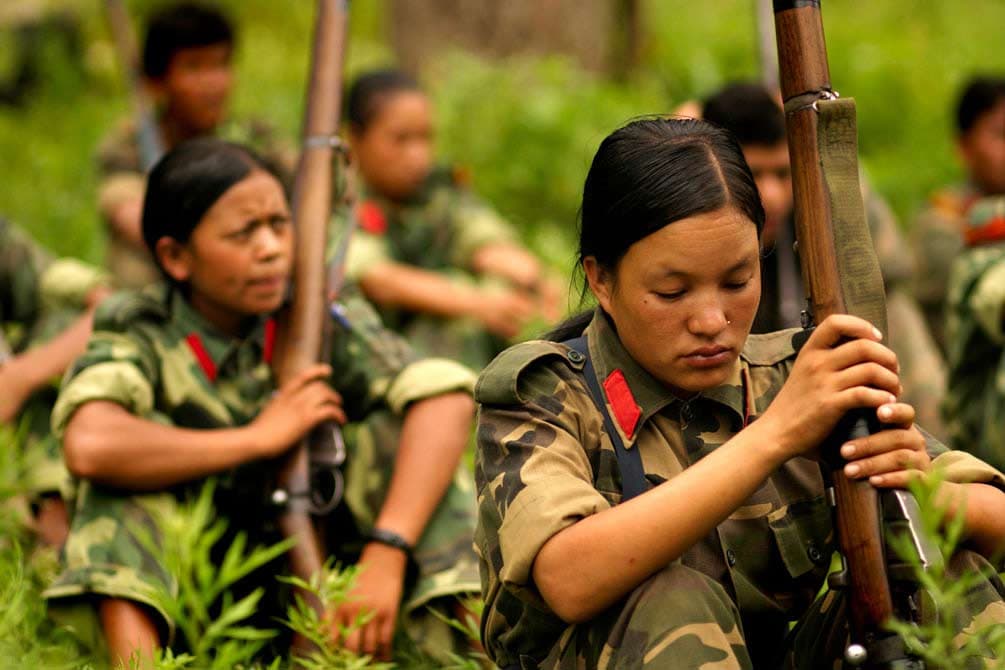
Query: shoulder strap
point(633, 477)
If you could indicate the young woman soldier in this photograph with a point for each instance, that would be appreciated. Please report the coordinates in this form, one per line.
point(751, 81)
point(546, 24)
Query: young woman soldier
point(175, 386)
point(731, 537)
point(443, 267)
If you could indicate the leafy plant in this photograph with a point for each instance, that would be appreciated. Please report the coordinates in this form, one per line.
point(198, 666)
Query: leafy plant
point(27, 638)
point(936, 640)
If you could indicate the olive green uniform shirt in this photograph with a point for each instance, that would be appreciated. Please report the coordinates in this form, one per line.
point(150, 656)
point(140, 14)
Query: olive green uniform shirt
point(975, 403)
point(545, 462)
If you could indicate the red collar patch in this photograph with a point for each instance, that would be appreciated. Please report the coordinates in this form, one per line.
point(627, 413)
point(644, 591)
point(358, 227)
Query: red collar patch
point(371, 217)
point(205, 361)
point(626, 410)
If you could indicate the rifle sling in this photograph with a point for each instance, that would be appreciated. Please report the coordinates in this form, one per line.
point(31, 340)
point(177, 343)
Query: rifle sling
point(633, 477)
point(861, 279)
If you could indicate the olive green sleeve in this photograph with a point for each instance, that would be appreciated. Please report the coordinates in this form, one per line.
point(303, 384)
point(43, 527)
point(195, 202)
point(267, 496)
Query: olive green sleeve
point(476, 225)
point(22, 266)
point(373, 366)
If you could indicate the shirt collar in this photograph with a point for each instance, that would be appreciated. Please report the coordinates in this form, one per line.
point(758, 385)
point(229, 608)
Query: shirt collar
point(219, 347)
point(647, 393)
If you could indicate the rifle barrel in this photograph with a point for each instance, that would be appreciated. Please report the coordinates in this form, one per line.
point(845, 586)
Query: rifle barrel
point(805, 77)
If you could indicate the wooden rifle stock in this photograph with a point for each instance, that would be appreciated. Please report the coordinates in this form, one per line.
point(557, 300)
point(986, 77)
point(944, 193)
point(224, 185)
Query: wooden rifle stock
point(805, 81)
point(301, 338)
point(147, 131)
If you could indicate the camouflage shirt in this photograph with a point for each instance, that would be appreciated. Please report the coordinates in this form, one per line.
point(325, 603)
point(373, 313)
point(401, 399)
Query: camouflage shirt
point(936, 240)
point(122, 179)
point(545, 461)
point(975, 402)
point(158, 358)
point(32, 283)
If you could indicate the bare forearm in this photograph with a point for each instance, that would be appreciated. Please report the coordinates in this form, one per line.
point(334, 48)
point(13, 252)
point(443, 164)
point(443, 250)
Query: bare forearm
point(43, 363)
point(417, 290)
point(508, 261)
point(433, 438)
point(107, 444)
point(646, 533)
point(983, 507)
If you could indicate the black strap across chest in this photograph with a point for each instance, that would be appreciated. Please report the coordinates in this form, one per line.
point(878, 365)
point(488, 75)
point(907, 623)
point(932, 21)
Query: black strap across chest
point(633, 477)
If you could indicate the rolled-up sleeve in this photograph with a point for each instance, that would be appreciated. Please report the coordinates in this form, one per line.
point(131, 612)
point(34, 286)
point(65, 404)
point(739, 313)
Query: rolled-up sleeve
point(111, 369)
point(535, 476)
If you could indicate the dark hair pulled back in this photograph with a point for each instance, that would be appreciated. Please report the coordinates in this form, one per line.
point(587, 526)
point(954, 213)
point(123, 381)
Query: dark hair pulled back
point(186, 182)
point(655, 171)
point(371, 90)
point(650, 173)
point(184, 25)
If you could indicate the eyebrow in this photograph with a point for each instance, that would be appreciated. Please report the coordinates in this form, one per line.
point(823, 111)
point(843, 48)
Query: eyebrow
point(736, 267)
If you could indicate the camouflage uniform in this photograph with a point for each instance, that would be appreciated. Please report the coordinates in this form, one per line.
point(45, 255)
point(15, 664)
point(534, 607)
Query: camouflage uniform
point(922, 368)
point(439, 230)
point(156, 357)
point(39, 297)
point(975, 403)
point(545, 462)
point(936, 240)
point(122, 179)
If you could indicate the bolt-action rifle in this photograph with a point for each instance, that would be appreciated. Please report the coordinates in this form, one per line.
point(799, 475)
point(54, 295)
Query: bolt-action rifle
point(309, 481)
point(148, 133)
point(842, 275)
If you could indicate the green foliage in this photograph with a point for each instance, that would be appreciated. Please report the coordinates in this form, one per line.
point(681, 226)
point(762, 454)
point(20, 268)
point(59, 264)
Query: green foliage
point(27, 638)
point(331, 589)
point(935, 641)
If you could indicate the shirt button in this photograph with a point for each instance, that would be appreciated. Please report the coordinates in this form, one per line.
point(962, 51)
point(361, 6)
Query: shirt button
point(815, 554)
point(576, 357)
point(731, 557)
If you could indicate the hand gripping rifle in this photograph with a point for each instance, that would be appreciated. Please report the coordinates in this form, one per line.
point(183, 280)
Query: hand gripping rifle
point(309, 479)
point(842, 275)
point(148, 133)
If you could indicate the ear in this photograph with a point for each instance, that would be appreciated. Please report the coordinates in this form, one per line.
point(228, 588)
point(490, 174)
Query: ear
point(600, 280)
point(175, 258)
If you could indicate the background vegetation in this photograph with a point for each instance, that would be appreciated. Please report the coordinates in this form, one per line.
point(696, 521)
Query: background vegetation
point(526, 127)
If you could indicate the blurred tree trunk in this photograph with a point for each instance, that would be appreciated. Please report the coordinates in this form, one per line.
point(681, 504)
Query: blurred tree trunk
point(601, 35)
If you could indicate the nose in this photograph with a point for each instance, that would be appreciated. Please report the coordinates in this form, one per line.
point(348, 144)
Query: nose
point(268, 243)
point(708, 320)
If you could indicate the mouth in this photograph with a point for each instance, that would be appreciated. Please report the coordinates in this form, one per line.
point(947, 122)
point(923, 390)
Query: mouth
point(268, 283)
point(708, 356)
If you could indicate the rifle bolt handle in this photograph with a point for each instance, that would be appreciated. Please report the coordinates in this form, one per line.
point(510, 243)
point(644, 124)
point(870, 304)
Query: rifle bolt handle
point(280, 497)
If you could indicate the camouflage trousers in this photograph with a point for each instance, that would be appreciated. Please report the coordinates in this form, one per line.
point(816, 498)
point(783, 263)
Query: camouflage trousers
point(104, 555)
point(682, 619)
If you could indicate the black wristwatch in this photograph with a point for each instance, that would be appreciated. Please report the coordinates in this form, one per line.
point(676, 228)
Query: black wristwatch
point(391, 539)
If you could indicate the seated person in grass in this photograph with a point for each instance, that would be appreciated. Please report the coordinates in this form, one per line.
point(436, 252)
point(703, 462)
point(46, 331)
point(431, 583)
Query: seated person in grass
point(729, 536)
point(176, 386)
point(187, 67)
point(45, 320)
point(975, 403)
point(444, 268)
point(937, 234)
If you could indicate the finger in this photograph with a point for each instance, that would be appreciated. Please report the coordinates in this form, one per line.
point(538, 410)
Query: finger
point(869, 374)
point(309, 374)
point(862, 396)
point(368, 637)
point(839, 327)
point(352, 638)
point(882, 442)
point(897, 414)
point(386, 635)
point(891, 461)
point(895, 480)
point(859, 351)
